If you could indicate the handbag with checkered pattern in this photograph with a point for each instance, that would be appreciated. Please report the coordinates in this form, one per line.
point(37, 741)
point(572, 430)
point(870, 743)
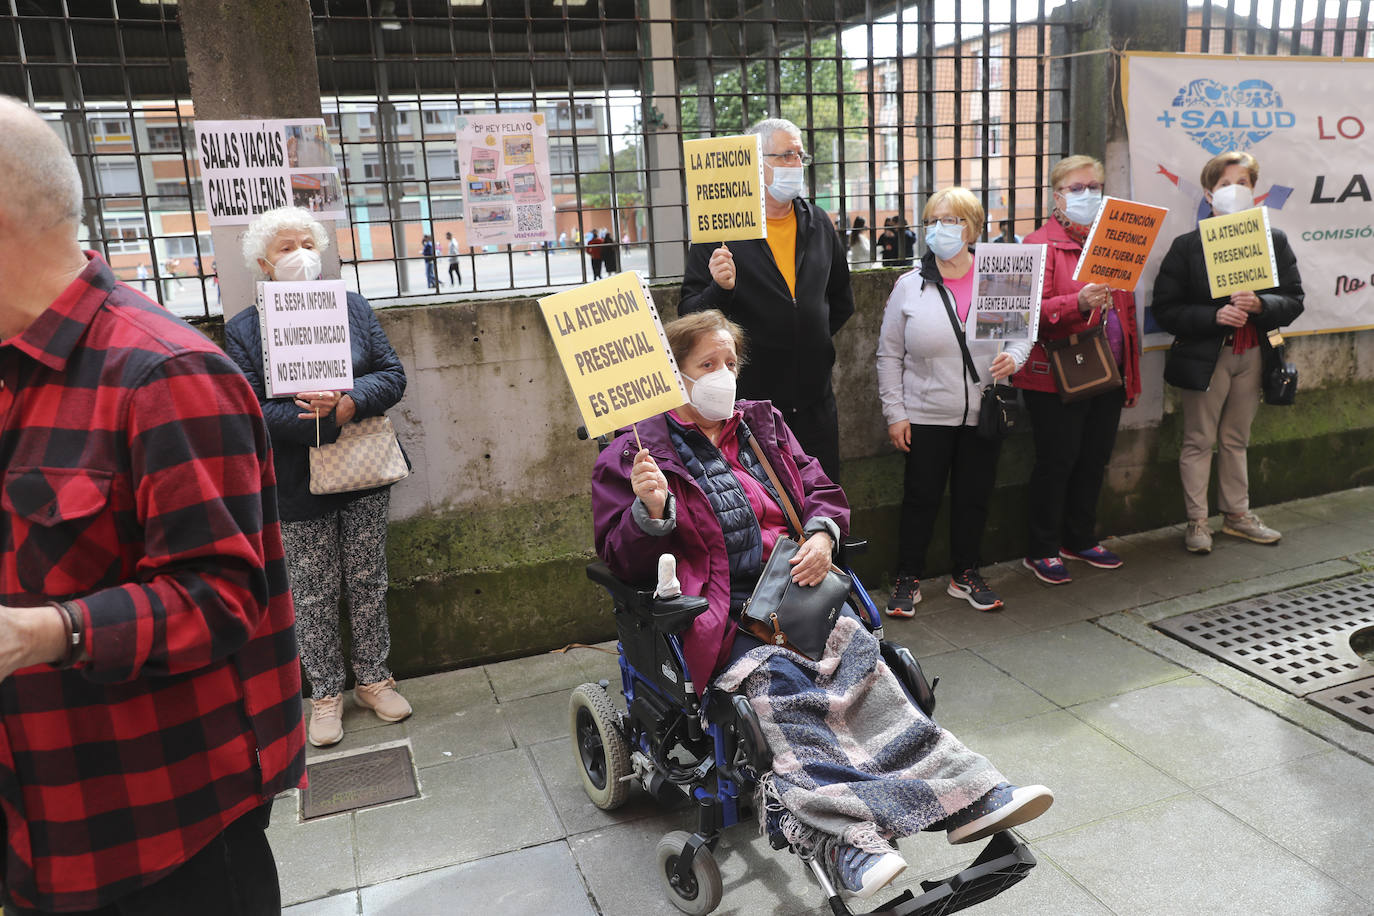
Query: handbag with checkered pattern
point(366, 455)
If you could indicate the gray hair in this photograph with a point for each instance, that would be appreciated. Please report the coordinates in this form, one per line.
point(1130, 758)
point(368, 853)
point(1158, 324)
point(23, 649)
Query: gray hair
point(42, 184)
point(268, 225)
point(770, 126)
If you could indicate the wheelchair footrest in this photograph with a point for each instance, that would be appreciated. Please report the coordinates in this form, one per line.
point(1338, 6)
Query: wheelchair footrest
point(1003, 861)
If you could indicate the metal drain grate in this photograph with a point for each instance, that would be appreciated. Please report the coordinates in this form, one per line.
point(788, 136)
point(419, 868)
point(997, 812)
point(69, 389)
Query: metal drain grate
point(1296, 640)
point(1353, 702)
point(358, 781)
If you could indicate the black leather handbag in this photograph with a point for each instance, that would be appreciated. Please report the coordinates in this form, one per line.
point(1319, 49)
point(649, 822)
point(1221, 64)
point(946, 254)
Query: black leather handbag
point(1280, 379)
point(781, 612)
point(796, 617)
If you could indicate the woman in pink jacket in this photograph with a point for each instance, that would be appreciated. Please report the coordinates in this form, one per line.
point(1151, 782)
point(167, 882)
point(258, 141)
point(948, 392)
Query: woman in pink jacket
point(1073, 442)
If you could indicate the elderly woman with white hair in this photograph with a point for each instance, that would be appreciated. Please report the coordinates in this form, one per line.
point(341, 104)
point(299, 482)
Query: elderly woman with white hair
point(331, 540)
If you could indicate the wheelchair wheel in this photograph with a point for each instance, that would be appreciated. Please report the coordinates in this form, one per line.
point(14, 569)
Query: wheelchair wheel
point(602, 754)
point(701, 892)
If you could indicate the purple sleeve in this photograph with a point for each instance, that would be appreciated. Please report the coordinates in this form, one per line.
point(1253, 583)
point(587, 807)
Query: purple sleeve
point(630, 552)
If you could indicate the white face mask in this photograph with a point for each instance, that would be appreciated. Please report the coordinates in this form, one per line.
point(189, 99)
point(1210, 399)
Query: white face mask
point(297, 265)
point(788, 184)
point(945, 241)
point(713, 394)
point(1232, 199)
point(1081, 208)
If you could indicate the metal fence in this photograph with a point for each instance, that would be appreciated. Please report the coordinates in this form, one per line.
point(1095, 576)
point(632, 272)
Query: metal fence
point(895, 100)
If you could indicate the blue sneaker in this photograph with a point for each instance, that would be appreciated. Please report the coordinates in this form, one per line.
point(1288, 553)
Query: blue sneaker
point(861, 873)
point(1003, 807)
point(1050, 570)
point(1098, 556)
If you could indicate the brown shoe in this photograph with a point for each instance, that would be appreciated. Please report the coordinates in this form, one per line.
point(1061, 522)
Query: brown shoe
point(326, 720)
point(382, 699)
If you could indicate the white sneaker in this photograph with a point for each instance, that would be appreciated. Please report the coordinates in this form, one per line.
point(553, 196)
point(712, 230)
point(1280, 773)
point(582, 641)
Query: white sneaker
point(326, 720)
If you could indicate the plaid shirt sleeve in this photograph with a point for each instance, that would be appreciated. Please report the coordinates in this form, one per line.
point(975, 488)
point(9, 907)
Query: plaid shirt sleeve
point(197, 448)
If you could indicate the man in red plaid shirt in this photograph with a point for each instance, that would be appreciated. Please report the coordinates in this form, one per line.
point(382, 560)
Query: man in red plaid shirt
point(149, 679)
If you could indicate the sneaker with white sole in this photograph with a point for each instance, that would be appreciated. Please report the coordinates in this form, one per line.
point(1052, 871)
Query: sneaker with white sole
point(326, 720)
point(1002, 808)
point(861, 873)
point(1049, 570)
point(970, 586)
point(382, 699)
point(1097, 555)
point(1198, 538)
point(1249, 527)
point(906, 594)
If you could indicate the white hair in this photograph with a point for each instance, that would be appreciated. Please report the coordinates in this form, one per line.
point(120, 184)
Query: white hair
point(43, 186)
point(770, 126)
point(268, 225)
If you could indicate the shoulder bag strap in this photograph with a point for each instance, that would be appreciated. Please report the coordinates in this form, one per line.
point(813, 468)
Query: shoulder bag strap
point(777, 484)
point(958, 333)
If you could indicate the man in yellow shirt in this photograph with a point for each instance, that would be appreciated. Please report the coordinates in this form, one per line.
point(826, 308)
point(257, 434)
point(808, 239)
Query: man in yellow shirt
point(790, 293)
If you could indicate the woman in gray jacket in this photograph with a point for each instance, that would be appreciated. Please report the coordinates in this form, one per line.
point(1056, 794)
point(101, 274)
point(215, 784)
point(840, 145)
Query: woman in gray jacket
point(931, 403)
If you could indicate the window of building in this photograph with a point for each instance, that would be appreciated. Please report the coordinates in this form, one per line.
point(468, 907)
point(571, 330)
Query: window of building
point(107, 129)
point(117, 177)
point(164, 137)
point(402, 166)
point(184, 246)
point(125, 234)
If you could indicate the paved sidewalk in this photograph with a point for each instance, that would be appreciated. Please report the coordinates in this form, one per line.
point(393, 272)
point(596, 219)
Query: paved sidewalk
point(1182, 785)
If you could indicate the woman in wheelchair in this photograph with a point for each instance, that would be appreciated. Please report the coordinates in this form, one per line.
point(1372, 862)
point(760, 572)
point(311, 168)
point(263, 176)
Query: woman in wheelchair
point(856, 764)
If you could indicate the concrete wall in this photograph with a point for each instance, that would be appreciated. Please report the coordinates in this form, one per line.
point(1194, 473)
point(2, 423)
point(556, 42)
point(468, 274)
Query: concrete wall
point(490, 535)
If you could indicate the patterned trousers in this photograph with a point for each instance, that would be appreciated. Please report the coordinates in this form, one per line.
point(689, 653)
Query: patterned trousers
point(346, 547)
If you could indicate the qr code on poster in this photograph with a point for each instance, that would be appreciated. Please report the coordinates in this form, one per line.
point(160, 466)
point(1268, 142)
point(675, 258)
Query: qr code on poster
point(528, 218)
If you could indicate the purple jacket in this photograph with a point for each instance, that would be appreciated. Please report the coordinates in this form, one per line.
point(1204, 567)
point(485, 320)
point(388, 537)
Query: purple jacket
point(697, 541)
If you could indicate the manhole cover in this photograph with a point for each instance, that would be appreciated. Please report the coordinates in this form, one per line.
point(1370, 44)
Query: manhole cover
point(1297, 640)
point(358, 781)
point(1353, 702)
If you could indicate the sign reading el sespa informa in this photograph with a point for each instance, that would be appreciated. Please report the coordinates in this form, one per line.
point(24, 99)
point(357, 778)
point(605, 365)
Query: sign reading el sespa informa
point(725, 188)
point(305, 340)
point(610, 340)
point(250, 167)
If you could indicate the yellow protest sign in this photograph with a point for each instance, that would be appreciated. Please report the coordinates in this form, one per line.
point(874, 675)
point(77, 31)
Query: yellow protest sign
point(610, 340)
point(725, 188)
point(1119, 243)
point(1239, 252)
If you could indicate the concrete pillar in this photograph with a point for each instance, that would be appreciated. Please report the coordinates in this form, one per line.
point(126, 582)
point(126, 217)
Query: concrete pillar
point(663, 147)
point(250, 59)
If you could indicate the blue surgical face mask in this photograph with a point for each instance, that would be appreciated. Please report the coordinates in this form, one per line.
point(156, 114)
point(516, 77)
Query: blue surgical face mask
point(945, 241)
point(788, 184)
point(1081, 208)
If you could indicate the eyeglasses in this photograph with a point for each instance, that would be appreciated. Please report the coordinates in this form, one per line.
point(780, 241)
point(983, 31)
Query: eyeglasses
point(1080, 188)
point(944, 221)
point(791, 156)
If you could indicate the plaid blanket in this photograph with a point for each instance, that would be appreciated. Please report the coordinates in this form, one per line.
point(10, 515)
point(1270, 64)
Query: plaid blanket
point(852, 756)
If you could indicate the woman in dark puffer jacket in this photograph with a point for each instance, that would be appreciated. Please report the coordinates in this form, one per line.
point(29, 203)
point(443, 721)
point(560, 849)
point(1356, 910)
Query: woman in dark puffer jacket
point(1217, 358)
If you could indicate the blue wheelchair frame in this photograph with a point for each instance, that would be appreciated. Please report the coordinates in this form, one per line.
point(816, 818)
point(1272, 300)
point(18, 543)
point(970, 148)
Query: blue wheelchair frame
point(730, 752)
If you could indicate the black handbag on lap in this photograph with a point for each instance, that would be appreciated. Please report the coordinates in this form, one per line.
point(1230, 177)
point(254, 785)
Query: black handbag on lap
point(781, 612)
point(1280, 379)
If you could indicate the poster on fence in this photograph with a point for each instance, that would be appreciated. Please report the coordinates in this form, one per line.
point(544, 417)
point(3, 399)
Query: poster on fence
point(305, 341)
point(1119, 243)
point(610, 340)
point(724, 188)
point(1311, 135)
point(249, 167)
point(1238, 252)
point(1007, 280)
point(507, 193)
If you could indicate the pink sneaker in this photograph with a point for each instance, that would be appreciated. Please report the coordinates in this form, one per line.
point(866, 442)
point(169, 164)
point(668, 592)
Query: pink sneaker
point(382, 699)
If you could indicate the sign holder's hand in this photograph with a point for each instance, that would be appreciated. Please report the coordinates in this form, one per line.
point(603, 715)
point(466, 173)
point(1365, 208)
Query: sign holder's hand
point(1003, 365)
point(649, 484)
point(1094, 296)
point(1232, 316)
point(722, 267)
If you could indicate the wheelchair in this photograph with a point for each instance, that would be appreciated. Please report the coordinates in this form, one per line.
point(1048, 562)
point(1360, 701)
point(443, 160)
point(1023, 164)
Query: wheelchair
point(712, 752)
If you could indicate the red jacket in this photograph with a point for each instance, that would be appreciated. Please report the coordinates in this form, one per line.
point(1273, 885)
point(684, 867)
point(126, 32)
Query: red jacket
point(1060, 317)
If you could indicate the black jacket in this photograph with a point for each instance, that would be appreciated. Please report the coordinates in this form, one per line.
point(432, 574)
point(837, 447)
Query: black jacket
point(379, 380)
point(790, 350)
point(1183, 306)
